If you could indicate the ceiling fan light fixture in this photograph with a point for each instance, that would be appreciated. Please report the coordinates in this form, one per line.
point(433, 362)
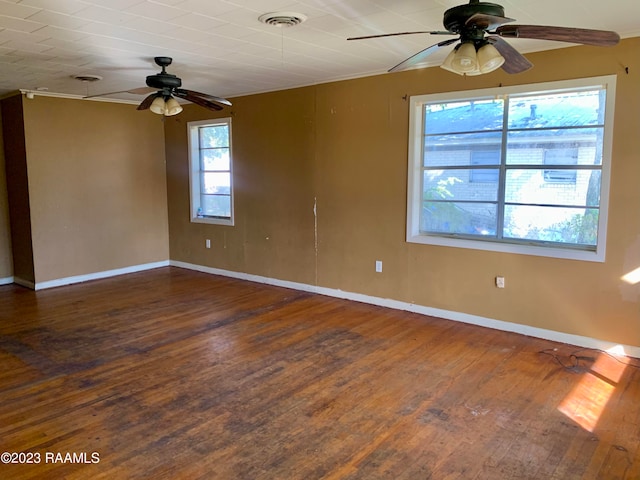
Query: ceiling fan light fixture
point(489, 59)
point(477, 53)
point(474, 73)
point(465, 59)
point(448, 63)
point(172, 107)
point(158, 105)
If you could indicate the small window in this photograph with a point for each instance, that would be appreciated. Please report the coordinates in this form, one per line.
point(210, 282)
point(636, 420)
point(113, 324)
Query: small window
point(520, 169)
point(211, 180)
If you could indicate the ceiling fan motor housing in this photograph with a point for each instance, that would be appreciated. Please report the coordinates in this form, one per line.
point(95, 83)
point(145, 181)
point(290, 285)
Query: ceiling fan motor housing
point(163, 80)
point(455, 18)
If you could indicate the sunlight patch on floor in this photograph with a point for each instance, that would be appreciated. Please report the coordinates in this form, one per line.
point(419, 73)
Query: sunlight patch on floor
point(587, 401)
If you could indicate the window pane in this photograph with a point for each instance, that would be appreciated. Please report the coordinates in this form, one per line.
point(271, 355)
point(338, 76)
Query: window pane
point(216, 205)
point(466, 116)
point(552, 224)
point(215, 159)
point(214, 136)
point(564, 109)
point(457, 185)
point(216, 182)
point(531, 147)
point(458, 149)
point(532, 187)
point(460, 218)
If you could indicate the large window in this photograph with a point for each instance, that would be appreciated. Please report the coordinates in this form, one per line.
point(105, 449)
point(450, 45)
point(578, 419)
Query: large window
point(211, 180)
point(518, 169)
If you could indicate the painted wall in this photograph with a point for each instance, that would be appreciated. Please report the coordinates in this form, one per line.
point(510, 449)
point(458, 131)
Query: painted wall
point(96, 186)
point(343, 147)
point(274, 174)
point(6, 261)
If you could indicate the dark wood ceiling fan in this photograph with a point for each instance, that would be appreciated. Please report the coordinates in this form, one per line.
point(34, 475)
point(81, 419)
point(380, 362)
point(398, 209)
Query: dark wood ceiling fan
point(482, 23)
point(165, 86)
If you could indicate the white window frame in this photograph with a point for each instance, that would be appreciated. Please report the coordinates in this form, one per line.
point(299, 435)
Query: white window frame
point(415, 176)
point(195, 171)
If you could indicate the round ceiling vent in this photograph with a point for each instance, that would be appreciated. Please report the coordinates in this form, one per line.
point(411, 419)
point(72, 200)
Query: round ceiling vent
point(87, 78)
point(282, 19)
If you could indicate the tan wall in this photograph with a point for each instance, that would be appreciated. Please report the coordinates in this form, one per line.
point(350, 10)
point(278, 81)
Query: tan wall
point(345, 145)
point(97, 186)
point(273, 175)
point(6, 262)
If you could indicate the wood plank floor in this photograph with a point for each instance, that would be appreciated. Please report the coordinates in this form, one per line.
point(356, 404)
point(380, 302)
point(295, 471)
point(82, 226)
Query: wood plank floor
point(173, 374)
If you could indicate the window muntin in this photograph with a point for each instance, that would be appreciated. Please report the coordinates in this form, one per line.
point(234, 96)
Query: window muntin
point(462, 194)
point(211, 171)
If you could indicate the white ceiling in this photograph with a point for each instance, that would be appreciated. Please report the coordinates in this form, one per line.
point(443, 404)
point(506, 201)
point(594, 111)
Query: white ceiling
point(220, 47)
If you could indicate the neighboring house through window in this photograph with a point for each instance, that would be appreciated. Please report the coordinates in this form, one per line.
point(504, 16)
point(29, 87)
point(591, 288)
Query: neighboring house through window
point(211, 180)
point(561, 156)
point(521, 169)
point(488, 158)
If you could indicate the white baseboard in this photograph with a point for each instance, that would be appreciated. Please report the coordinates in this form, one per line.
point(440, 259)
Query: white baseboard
point(94, 276)
point(555, 336)
point(6, 280)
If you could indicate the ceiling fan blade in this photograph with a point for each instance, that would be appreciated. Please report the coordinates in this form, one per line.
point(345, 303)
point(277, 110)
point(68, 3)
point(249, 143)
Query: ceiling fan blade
point(146, 103)
point(487, 22)
point(203, 102)
point(399, 33)
point(141, 90)
point(514, 61)
point(420, 56)
point(601, 38)
point(135, 91)
point(213, 98)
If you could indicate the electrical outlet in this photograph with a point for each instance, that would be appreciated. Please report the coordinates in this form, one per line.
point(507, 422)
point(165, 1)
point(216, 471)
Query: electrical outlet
point(207, 243)
point(379, 266)
point(500, 282)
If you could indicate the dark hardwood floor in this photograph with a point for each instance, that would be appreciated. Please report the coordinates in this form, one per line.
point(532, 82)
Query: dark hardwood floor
point(173, 374)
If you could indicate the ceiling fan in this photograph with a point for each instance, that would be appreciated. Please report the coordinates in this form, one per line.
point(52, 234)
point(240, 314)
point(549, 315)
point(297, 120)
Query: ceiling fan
point(479, 27)
point(165, 87)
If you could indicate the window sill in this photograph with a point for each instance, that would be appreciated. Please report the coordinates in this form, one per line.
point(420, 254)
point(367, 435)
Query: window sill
point(512, 248)
point(212, 221)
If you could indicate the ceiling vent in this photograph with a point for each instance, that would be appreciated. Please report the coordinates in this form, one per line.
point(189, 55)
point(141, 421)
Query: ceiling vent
point(282, 19)
point(87, 78)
